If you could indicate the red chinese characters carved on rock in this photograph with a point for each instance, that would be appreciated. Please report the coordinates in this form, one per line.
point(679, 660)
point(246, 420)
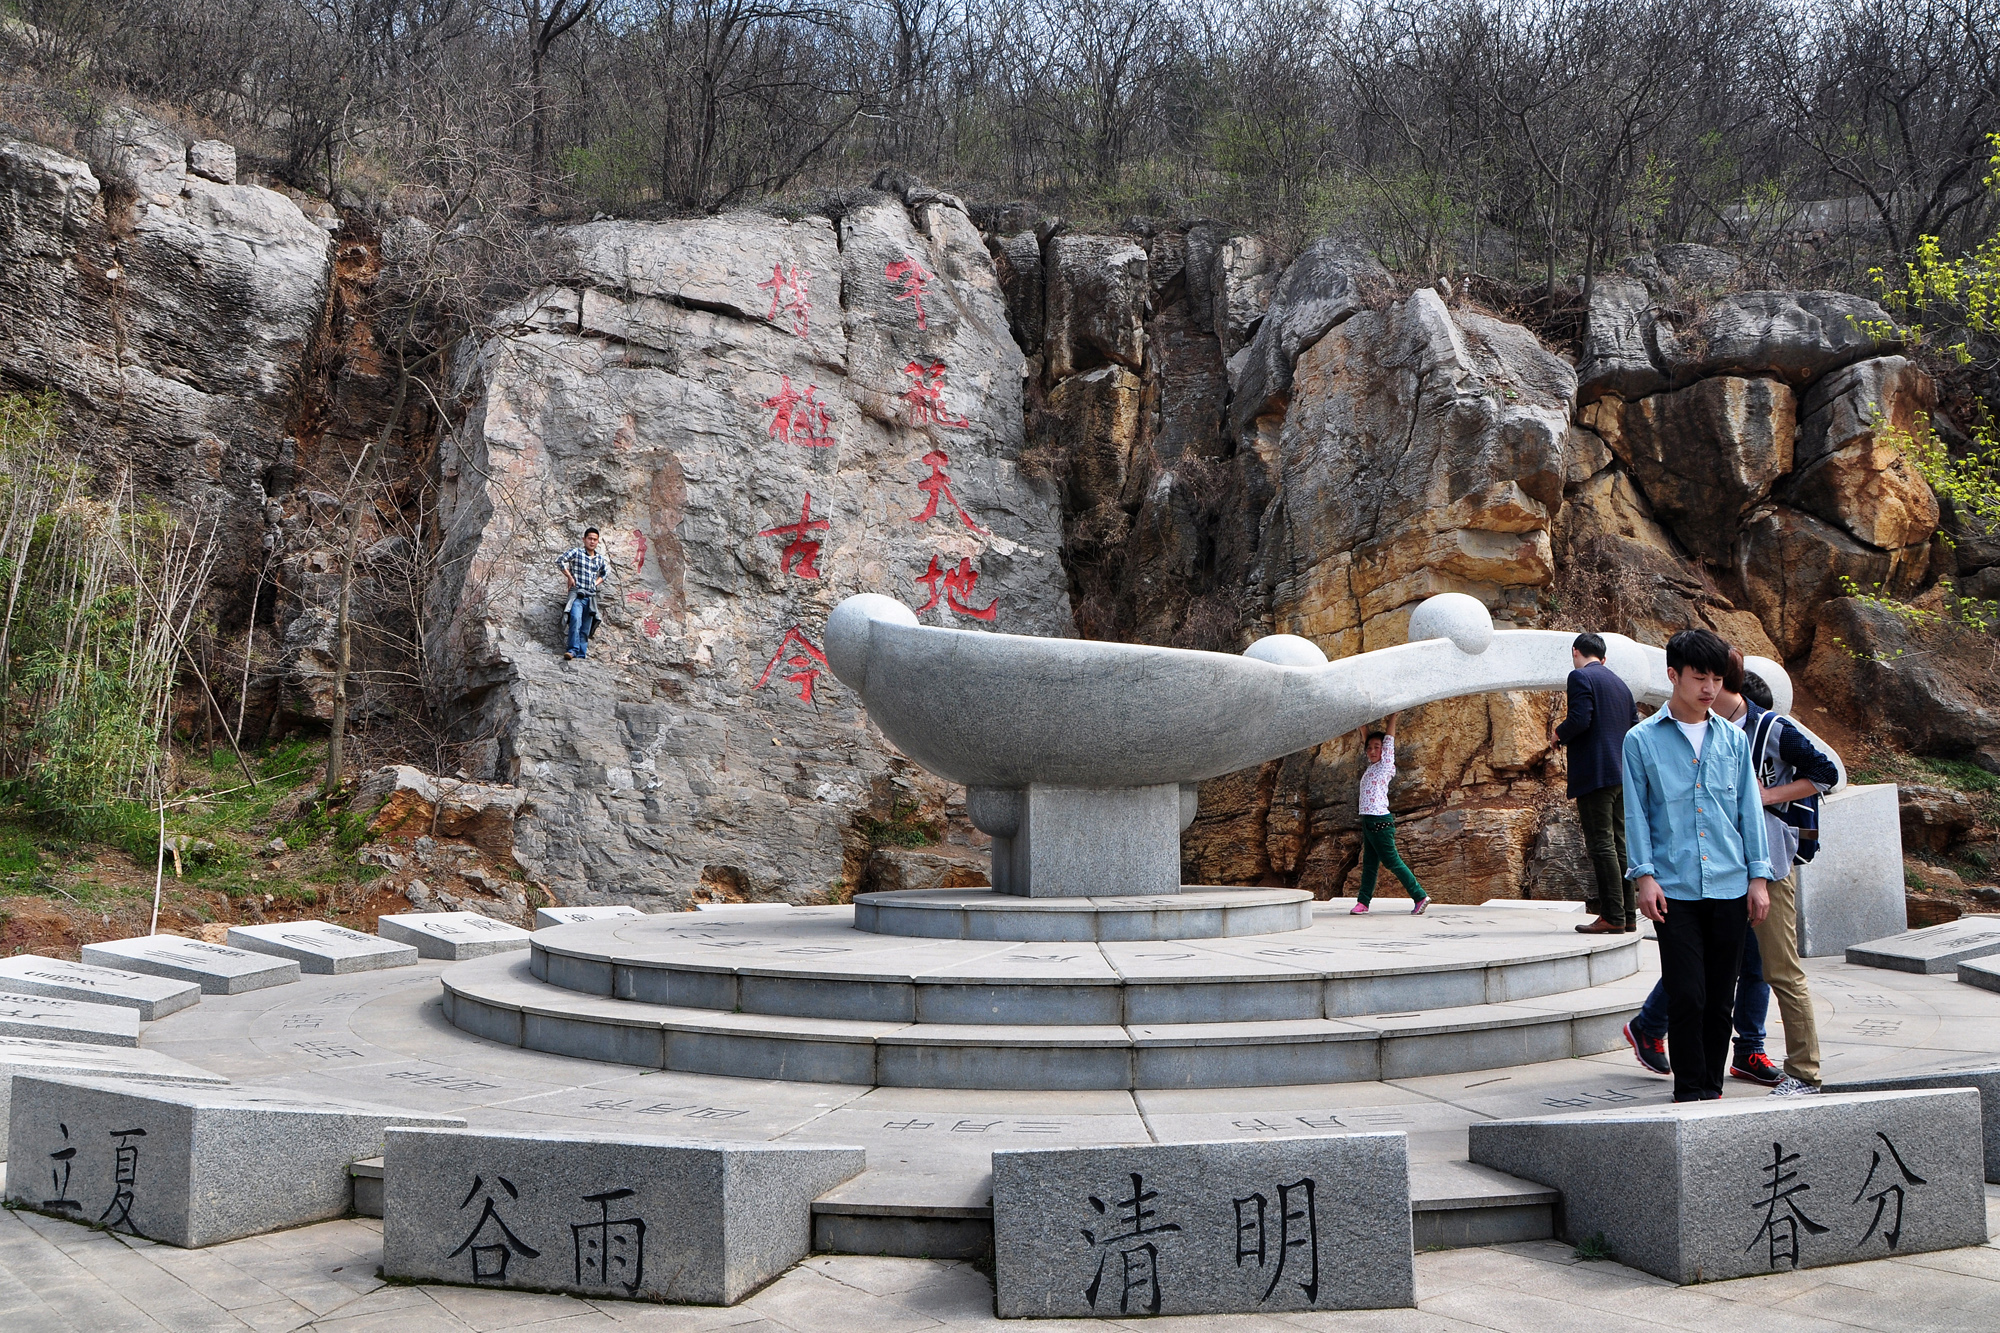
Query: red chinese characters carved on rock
point(954, 586)
point(802, 666)
point(791, 296)
point(800, 418)
point(801, 554)
point(939, 485)
point(910, 280)
point(926, 396)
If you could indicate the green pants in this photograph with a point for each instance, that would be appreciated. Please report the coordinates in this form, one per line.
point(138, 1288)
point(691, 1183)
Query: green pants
point(1378, 848)
point(1602, 813)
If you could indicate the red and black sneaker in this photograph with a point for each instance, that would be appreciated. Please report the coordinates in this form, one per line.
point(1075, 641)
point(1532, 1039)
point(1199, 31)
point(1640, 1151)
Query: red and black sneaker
point(1652, 1052)
point(1756, 1067)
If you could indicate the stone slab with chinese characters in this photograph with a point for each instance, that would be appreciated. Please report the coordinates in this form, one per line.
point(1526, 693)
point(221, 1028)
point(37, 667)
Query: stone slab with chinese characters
point(322, 948)
point(1735, 1188)
point(1204, 1228)
point(1934, 948)
point(216, 968)
point(576, 916)
point(601, 1215)
point(1981, 1074)
point(59, 1019)
point(153, 997)
point(189, 1166)
point(452, 935)
point(45, 1057)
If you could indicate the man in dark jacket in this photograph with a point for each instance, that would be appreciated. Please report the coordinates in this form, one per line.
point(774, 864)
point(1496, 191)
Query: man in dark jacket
point(1600, 713)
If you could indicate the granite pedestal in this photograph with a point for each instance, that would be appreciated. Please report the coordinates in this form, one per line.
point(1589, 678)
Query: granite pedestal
point(187, 1166)
point(1983, 1075)
point(58, 1019)
point(1981, 972)
point(47, 1058)
point(216, 968)
point(1204, 1228)
point(154, 997)
point(1853, 889)
point(322, 948)
point(1933, 949)
point(576, 916)
point(1702, 1191)
point(601, 1215)
point(452, 935)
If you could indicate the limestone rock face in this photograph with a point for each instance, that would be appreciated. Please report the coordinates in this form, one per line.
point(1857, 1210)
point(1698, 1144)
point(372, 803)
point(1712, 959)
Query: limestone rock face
point(1887, 394)
point(1793, 562)
point(1706, 455)
point(1421, 453)
point(762, 417)
point(171, 312)
point(1096, 305)
point(1933, 818)
point(1925, 690)
point(1241, 288)
point(1322, 287)
point(1869, 489)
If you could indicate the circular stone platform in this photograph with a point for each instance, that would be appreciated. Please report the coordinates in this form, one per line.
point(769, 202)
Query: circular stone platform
point(981, 914)
point(805, 995)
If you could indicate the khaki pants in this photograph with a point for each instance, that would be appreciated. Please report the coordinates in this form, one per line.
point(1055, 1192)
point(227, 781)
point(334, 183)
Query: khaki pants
point(1778, 941)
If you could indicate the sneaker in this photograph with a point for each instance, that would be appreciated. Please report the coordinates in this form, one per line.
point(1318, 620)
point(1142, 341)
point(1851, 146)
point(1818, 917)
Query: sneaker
point(1418, 910)
point(1793, 1087)
point(1652, 1052)
point(1756, 1067)
point(1359, 909)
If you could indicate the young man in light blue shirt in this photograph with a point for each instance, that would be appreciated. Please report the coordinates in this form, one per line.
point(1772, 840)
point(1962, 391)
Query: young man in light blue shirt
point(1694, 830)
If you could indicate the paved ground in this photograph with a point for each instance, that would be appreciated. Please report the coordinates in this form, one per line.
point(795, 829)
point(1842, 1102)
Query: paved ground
point(57, 1277)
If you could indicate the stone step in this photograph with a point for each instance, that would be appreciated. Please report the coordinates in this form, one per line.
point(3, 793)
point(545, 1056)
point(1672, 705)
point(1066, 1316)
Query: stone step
point(1981, 972)
point(982, 914)
point(1453, 1205)
point(819, 966)
point(499, 998)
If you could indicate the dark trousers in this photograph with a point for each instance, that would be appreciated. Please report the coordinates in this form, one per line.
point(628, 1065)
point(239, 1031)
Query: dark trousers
point(1378, 851)
point(1701, 949)
point(1603, 815)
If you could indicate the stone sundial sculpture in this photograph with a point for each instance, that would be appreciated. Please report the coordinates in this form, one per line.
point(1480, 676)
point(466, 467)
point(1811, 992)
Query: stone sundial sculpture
point(1082, 759)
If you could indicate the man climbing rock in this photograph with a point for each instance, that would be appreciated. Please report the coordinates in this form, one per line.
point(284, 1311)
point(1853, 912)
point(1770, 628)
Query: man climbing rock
point(586, 571)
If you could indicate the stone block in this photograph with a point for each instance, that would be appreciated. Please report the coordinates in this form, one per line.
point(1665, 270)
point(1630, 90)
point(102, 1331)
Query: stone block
point(153, 997)
point(1735, 1188)
point(1981, 1074)
point(47, 1058)
point(1853, 890)
point(322, 948)
point(1981, 972)
point(216, 968)
point(1204, 1228)
point(1535, 904)
point(214, 159)
point(57, 1019)
point(1077, 842)
point(601, 1215)
point(1933, 949)
point(573, 916)
point(453, 935)
point(189, 1166)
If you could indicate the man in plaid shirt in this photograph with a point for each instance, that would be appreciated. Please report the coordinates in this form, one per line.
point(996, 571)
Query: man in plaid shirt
point(586, 570)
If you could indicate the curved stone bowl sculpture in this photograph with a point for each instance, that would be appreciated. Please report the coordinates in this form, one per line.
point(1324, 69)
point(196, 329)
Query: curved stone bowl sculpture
point(1082, 757)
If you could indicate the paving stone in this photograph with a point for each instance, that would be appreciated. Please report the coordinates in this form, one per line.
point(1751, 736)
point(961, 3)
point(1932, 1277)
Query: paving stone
point(1933, 949)
point(1702, 1191)
point(57, 1019)
point(322, 948)
point(153, 997)
point(1204, 1228)
point(47, 1058)
point(1981, 972)
point(574, 916)
point(187, 1166)
point(216, 968)
point(452, 935)
point(601, 1215)
point(1981, 1074)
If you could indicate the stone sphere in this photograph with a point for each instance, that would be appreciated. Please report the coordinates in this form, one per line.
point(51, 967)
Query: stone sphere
point(848, 630)
point(1286, 650)
point(1453, 615)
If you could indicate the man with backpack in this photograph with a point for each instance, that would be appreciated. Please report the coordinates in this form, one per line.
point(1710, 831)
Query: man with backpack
point(1794, 774)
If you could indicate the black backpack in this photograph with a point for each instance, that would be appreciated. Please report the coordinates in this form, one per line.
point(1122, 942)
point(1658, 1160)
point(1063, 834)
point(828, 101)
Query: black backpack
point(1772, 771)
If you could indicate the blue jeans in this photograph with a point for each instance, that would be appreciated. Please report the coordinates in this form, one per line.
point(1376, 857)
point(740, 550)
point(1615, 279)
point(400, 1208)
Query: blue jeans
point(578, 646)
point(1753, 1004)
